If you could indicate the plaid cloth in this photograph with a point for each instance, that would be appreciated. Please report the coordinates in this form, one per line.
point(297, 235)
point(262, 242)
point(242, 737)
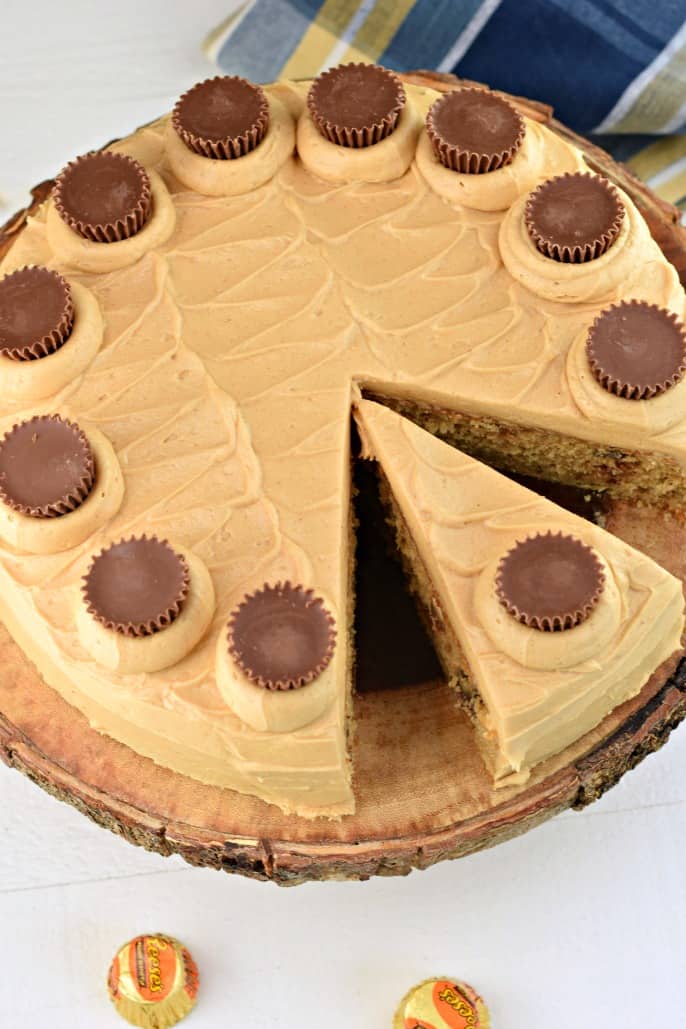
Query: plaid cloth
point(612, 69)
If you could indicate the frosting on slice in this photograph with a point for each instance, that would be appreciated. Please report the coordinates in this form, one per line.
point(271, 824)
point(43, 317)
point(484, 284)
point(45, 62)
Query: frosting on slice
point(541, 691)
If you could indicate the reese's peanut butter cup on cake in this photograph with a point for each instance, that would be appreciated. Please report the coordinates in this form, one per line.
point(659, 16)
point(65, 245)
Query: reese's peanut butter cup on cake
point(153, 981)
point(36, 313)
point(574, 218)
point(281, 637)
point(103, 196)
point(550, 581)
point(137, 587)
point(47, 467)
point(637, 350)
point(356, 105)
point(442, 1004)
point(474, 131)
point(223, 118)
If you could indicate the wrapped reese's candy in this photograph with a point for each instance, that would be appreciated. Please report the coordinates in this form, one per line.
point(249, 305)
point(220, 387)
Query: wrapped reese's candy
point(153, 981)
point(442, 1004)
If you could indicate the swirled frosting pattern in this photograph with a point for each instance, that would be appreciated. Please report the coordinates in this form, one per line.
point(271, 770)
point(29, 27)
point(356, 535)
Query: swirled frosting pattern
point(224, 384)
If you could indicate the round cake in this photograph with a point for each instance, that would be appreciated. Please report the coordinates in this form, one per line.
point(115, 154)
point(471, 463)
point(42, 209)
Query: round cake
point(189, 325)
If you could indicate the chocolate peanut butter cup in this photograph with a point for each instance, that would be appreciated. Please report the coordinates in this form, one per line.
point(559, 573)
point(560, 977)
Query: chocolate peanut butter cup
point(356, 105)
point(137, 587)
point(47, 467)
point(103, 196)
point(36, 313)
point(574, 218)
point(281, 637)
point(474, 131)
point(637, 350)
point(550, 581)
point(222, 118)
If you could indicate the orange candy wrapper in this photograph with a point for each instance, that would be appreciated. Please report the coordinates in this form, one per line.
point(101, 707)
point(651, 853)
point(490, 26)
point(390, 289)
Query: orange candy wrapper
point(153, 981)
point(442, 1004)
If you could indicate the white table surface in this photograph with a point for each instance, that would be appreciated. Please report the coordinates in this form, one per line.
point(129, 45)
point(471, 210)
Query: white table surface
point(579, 923)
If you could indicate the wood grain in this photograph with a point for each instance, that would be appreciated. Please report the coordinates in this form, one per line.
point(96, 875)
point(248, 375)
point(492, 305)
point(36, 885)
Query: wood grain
point(423, 794)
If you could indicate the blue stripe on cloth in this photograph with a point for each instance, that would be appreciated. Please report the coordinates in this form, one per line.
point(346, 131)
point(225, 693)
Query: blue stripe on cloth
point(427, 33)
point(266, 37)
point(541, 51)
point(658, 21)
point(610, 31)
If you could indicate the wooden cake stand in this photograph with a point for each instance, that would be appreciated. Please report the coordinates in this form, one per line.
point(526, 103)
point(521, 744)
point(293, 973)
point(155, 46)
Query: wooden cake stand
point(422, 792)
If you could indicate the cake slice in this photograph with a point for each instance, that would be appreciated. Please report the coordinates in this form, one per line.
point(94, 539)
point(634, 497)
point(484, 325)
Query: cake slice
point(543, 621)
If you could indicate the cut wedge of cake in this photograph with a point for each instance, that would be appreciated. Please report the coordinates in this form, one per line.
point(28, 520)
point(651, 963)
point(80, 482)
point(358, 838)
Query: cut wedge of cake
point(535, 680)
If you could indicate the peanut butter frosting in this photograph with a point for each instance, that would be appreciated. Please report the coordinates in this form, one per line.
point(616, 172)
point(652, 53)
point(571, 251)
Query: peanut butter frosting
point(234, 331)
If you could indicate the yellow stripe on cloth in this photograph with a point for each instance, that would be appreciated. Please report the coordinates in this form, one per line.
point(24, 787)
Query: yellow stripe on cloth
point(320, 39)
point(662, 165)
point(674, 189)
point(378, 29)
point(660, 100)
point(657, 155)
